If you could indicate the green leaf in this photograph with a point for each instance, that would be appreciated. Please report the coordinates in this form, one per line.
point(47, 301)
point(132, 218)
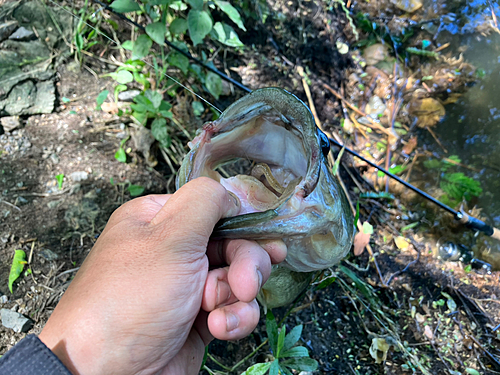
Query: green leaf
point(298, 351)
point(275, 367)
point(17, 267)
point(154, 97)
point(468, 268)
point(199, 25)
point(121, 156)
point(226, 35)
point(156, 31)
point(214, 84)
point(164, 109)
point(178, 26)
point(301, 364)
point(326, 283)
point(119, 89)
point(257, 369)
point(159, 2)
point(178, 5)
point(122, 76)
point(292, 337)
point(160, 131)
point(375, 195)
point(198, 108)
point(65, 99)
point(356, 217)
point(367, 228)
point(178, 60)
point(281, 340)
point(472, 371)
point(125, 6)
point(59, 179)
point(336, 165)
point(231, 12)
point(79, 42)
point(141, 47)
point(101, 98)
point(144, 104)
point(128, 45)
point(272, 331)
point(195, 4)
point(135, 190)
point(285, 371)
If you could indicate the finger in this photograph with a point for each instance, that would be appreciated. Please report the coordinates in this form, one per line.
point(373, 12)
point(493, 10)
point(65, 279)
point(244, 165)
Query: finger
point(234, 322)
point(276, 249)
point(249, 268)
point(216, 251)
point(217, 292)
point(196, 207)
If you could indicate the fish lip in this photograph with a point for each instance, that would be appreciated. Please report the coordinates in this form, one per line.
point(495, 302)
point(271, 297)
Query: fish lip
point(298, 117)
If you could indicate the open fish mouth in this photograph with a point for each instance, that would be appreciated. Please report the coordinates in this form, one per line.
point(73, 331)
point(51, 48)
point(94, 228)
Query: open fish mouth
point(288, 192)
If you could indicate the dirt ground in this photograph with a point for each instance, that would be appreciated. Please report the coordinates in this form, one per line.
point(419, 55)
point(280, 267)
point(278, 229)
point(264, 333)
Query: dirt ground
point(58, 227)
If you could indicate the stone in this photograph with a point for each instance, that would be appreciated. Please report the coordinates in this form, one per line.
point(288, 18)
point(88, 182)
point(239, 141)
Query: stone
point(15, 321)
point(4, 299)
point(79, 176)
point(7, 28)
point(23, 34)
point(54, 158)
point(375, 53)
point(128, 96)
point(21, 200)
point(54, 204)
point(10, 123)
point(48, 254)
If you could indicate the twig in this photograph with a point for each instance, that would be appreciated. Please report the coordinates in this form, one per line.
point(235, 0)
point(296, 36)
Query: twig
point(68, 271)
point(10, 204)
point(375, 125)
point(437, 139)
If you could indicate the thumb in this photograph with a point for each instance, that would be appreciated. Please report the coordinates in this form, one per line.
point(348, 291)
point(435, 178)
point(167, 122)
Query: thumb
point(195, 208)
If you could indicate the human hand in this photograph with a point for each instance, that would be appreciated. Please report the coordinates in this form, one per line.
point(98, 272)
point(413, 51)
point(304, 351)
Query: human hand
point(134, 305)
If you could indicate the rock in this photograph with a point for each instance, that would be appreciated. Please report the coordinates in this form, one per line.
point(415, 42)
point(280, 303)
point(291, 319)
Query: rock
point(23, 34)
point(4, 299)
point(7, 28)
point(408, 5)
point(128, 96)
point(54, 204)
point(54, 158)
point(48, 254)
point(15, 321)
point(21, 200)
point(375, 53)
point(10, 123)
point(79, 176)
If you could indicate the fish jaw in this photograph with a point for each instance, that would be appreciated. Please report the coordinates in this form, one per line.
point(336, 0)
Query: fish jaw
point(273, 127)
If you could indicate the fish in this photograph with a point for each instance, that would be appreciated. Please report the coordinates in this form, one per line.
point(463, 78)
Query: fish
point(287, 193)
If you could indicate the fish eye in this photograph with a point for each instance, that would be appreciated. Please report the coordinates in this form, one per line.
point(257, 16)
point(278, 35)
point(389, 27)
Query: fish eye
point(324, 143)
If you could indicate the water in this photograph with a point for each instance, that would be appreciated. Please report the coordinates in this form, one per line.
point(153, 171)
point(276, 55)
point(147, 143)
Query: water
point(471, 127)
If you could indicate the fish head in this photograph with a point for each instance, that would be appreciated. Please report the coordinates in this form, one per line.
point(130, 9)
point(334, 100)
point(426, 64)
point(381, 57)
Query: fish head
point(288, 192)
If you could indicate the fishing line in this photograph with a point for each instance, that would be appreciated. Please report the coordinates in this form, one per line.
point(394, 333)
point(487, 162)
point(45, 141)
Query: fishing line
point(145, 62)
point(469, 221)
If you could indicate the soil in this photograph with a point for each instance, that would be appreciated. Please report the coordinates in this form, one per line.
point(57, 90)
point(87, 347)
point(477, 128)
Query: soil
point(57, 227)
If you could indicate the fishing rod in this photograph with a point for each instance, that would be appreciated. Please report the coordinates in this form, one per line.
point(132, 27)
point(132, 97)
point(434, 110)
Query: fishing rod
point(469, 221)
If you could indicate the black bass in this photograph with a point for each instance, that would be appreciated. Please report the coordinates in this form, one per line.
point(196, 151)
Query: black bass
point(289, 193)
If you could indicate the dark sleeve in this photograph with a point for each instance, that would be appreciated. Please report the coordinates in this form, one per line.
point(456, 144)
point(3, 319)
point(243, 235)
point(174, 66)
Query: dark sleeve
point(31, 356)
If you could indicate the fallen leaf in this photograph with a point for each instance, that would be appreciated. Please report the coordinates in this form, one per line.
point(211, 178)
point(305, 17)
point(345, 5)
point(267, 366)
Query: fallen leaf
point(379, 349)
point(420, 318)
point(401, 243)
point(410, 145)
point(360, 242)
point(428, 332)
point(110, 107)
point(427, 110)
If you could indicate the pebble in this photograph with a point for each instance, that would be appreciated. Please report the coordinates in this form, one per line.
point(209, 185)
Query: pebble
point(10, 123)
point(21, 200)
point(54, 158)
point(23, 34)
point(4, 299)
point(48, 254)
point(79, 176)
point(15, 321)
point(128, 96)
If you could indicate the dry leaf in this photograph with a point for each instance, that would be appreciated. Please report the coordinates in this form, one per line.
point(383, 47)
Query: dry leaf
point(410, 145)
point(110, 107)
point(379, 349)
point(401, 243)
point(420, 318)
point(428, 332)
point(360, 242)
point(428, 111)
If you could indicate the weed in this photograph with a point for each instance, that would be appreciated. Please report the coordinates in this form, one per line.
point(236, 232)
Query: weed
point(17, 267)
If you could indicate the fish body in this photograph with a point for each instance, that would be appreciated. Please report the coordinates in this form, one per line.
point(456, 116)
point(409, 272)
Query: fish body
point(290, 193)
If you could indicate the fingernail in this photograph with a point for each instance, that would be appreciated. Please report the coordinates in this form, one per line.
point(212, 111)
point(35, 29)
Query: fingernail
point(259, 275)
point(223, 292)
point(232, 322)
point(236, 203)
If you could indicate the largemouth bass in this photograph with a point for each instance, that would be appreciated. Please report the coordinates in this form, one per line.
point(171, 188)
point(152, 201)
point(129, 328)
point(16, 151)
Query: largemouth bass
point(288, 194)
